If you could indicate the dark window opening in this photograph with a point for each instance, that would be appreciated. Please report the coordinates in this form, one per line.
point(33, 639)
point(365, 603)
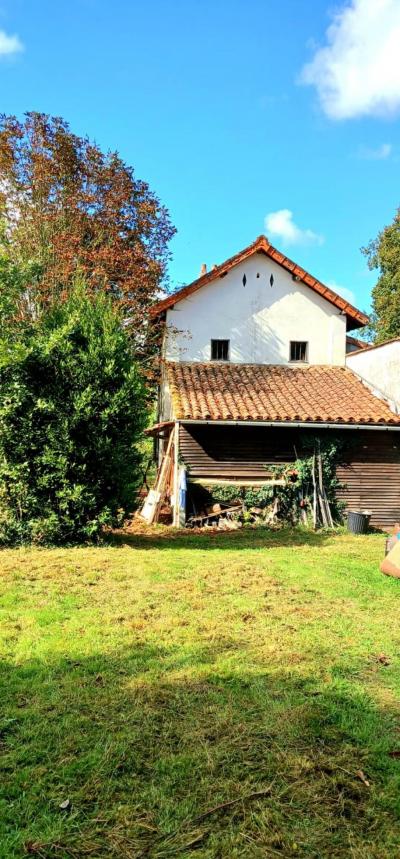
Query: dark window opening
point(220, 350)
point(298, 350)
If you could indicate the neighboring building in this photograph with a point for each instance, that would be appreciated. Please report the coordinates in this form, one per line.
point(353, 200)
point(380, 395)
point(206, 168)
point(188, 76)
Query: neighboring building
point(379, 366)
point(254, 355)
point(353, 344)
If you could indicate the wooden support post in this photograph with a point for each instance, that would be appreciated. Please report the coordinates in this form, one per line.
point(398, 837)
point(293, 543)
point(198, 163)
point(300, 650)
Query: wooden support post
point(182, 496)
point(179, 479)
point(175, 518)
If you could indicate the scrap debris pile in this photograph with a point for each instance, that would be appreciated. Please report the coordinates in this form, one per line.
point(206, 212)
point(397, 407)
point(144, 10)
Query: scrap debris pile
point(226, 518)
point(296, 493)
point(303, 491)
point(230, 517)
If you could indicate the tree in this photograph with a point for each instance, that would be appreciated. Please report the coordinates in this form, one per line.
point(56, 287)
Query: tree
point(14, 285)
point(70, 208)
point(383, 253)
point(71, 415)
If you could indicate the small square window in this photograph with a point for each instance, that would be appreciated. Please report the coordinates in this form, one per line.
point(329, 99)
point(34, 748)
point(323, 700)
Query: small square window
point(220, 350)
point(299, 350)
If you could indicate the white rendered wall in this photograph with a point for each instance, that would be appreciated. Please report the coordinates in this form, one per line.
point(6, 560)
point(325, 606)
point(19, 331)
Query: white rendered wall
point(260, 320)
point(380, 367)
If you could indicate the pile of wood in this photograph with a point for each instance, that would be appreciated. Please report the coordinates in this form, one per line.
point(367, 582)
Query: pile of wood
point(217, 516)
point(268, 515)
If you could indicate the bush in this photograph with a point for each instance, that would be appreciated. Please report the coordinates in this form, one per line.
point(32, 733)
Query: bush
point(72, 410)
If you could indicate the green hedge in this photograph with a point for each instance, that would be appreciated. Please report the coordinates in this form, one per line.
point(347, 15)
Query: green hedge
point(72, 410)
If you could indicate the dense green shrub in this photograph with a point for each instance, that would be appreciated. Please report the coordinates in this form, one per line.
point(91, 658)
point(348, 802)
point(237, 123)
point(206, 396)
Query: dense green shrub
point(72, 409)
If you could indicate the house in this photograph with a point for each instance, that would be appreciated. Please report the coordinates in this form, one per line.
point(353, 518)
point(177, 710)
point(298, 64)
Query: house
point(256, 353)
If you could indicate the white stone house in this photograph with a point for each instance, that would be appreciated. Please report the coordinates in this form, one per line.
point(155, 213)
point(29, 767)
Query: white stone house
point(255, 353)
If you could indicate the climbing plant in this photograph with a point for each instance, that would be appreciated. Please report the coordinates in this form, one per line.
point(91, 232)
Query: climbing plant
point(296, 492)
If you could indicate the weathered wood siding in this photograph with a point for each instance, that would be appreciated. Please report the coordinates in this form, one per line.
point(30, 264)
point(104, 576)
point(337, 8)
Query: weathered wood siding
point(370, 472)
point(371, 476)
point(234, 452)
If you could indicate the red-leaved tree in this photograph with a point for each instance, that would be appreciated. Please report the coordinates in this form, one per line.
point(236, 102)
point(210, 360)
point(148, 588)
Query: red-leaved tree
point(69, 209)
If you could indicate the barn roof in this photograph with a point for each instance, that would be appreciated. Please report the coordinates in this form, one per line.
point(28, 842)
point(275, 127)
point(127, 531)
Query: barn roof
point(265, 392)
point(355, 318)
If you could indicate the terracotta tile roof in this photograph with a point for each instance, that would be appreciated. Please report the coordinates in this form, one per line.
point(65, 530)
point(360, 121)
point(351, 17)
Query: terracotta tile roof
point(355, 318)
point(257, 392)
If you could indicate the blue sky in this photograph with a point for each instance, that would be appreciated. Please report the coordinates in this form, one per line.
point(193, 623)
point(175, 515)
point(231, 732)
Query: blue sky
point(244, 117)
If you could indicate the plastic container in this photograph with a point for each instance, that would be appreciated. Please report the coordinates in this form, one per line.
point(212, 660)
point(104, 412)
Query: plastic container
point(358, 522)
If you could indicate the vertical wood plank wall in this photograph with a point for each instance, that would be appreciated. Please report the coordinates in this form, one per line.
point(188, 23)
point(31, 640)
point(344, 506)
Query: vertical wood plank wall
point(370, 471)
point(371, 476)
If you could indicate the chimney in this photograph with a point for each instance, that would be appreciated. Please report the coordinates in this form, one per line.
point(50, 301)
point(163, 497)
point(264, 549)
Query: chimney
point(203, 269)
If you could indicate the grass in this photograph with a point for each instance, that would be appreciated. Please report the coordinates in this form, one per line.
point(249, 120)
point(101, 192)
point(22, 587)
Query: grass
point(149, 683)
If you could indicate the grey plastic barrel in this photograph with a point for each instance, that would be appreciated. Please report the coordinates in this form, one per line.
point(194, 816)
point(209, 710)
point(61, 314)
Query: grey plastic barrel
point(358, 523)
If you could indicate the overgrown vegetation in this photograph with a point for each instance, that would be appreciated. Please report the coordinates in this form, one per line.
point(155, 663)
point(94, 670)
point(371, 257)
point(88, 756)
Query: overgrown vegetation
point(71, 414)
point(145, 686)
point(296, 495)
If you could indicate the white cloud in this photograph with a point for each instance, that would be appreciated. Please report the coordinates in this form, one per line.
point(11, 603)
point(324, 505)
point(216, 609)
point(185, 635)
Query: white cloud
point(281, 224)
point(9, 45)
point(378, 154)
point(357, 72)
point(343, 291)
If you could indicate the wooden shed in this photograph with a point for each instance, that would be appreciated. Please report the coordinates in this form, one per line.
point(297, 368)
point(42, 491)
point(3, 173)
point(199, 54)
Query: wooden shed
point(233, 421)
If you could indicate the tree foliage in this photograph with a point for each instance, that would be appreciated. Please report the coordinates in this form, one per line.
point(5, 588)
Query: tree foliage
point(14, 283)
point(70, 208)
point(383, 253)
point(71, 414)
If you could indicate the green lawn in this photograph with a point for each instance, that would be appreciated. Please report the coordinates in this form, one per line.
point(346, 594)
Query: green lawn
point(149, 683)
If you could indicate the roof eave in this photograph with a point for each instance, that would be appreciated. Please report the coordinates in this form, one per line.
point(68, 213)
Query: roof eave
point(354, 317)
point(301, 424)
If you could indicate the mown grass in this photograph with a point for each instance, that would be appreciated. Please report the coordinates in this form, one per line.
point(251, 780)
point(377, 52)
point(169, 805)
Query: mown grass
point(152, 680)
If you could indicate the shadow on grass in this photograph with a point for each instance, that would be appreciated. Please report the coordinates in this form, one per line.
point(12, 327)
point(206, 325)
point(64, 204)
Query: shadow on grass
point(143, 747)
point(246, 538)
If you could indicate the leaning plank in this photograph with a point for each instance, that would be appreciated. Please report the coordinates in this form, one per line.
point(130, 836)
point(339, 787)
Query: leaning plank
point(314, 481)
point(328, 509)
point(148, 510)
point(165, 476)
point(151, 507)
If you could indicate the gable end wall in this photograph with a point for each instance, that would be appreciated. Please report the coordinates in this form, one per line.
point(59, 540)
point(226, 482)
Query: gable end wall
point(259, 319)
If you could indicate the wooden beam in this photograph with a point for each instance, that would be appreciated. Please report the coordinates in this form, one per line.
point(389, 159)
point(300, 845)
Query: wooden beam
point(222, 481)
